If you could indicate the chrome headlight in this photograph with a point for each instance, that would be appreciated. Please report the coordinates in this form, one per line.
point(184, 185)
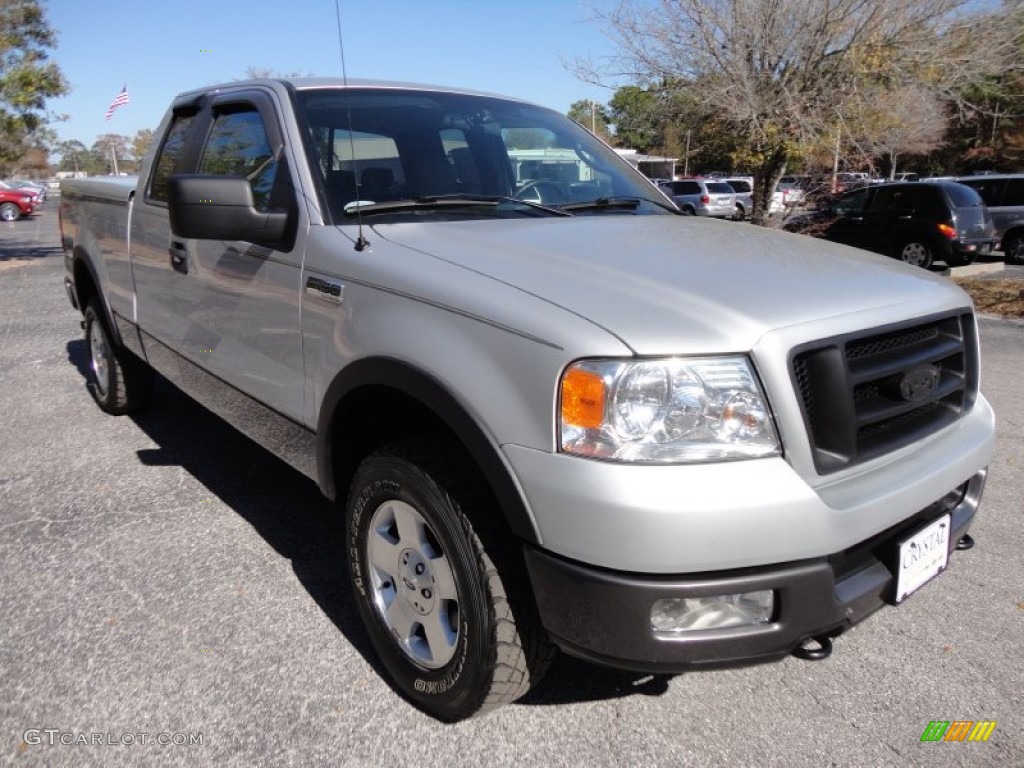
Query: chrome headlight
point(665, 411)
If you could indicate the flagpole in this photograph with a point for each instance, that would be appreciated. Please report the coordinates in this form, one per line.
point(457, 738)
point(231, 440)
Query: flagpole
point(113, 154)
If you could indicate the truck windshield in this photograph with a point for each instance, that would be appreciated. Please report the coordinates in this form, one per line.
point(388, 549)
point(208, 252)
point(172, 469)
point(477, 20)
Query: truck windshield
point(376, 145)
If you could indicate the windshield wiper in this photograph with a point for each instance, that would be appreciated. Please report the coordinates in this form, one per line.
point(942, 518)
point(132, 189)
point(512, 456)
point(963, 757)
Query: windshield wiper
point(457, 200)
point(612, 203)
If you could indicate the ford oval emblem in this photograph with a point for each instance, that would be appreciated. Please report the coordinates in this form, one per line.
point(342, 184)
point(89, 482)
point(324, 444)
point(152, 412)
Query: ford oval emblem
point(920, 383)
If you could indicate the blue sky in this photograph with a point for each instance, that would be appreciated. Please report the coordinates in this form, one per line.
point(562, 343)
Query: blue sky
point(162, 48)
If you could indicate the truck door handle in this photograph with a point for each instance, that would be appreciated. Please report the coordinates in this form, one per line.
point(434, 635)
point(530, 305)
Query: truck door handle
point(179, 257)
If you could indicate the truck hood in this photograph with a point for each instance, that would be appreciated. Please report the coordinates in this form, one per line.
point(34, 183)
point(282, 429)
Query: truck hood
point(655, 281)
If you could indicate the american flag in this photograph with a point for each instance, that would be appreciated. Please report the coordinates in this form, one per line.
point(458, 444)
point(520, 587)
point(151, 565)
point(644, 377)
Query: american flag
point(119, 100)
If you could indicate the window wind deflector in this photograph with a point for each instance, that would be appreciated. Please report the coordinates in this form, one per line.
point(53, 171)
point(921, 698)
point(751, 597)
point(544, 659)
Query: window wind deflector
point(445, 202)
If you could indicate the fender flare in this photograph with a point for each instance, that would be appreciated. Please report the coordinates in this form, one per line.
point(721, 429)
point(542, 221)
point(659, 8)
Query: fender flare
point(424, 388)
point(81, 256)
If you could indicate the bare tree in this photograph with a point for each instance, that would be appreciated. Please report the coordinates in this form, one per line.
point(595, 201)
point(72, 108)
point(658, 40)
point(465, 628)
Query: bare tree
point(909, 120)
point(786, 74)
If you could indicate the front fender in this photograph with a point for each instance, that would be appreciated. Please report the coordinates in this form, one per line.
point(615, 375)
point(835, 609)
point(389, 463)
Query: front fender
point(428, 392)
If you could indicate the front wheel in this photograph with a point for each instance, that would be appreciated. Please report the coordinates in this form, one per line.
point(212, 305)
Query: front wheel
point(448, 616)
point(10, 212)
point(1013, 249)
point(118, 381)
point(916, 253)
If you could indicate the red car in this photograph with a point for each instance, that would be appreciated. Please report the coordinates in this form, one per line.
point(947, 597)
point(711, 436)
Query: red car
point(15, 204)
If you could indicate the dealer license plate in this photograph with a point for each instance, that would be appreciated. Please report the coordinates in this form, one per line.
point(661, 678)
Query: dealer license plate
point(922, 557)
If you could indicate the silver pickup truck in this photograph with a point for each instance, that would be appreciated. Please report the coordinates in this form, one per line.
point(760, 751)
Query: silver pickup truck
point(555, 412)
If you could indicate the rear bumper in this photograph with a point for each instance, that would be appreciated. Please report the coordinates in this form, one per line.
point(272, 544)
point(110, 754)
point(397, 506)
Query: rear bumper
point(604, 615)
point(974, 247)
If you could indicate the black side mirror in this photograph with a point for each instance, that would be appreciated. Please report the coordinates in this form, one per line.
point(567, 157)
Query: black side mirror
point(212, 207)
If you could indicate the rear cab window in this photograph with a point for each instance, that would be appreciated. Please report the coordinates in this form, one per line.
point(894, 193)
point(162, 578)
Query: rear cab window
point(169, 158)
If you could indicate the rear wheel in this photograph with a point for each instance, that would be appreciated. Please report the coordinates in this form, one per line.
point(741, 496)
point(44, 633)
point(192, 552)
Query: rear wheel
point(917, 253)
point(739, 214)
point(10, 212)
point(1013, 249)
point(119, 382)
point(443, 600)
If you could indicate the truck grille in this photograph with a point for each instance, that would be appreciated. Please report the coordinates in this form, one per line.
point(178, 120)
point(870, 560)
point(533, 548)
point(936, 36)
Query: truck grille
point(864, 395)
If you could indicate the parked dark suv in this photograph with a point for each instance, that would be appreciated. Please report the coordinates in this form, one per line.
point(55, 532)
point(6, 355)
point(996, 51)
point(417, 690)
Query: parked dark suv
point(917, 222)
point(1004, 196)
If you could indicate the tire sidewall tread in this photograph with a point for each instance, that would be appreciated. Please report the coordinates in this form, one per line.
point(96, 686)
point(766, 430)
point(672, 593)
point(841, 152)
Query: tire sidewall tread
point(492, 663)
point(130, 379)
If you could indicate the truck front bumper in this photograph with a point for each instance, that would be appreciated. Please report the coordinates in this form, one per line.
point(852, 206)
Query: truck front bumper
point(605, 616)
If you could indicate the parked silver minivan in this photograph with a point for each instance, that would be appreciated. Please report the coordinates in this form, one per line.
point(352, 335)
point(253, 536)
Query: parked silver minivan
point(702, 197)
point(1004, 196)
point(744, 188)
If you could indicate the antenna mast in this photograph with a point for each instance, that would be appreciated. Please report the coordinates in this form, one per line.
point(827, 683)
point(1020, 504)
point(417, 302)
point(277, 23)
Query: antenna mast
point(361, 242)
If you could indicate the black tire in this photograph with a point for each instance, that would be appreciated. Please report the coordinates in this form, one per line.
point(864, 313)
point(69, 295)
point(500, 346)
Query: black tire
point(739, 214)
point(688, 210)
point(10, 212)
point(1013, 249)
point(118, 381)
point(915, 252)
point(444, 604)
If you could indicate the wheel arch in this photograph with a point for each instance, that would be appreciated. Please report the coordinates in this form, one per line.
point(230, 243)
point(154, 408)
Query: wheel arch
point(87, 286)
point(1017, 230)
point(376, 401)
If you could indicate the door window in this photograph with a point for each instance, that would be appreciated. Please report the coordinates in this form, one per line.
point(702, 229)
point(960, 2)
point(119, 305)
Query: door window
point(238, 146)
point(852, 203)
point(1014, 192)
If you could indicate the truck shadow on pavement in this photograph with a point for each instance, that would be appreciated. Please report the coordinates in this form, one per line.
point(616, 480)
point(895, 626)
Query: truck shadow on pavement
point(17, 249)
point(289, 512)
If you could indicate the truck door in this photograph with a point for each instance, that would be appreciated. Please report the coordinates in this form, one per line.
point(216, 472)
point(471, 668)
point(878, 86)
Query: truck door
point(889, 218)
point(242, 299)
point(232, 308)
point(848, 225)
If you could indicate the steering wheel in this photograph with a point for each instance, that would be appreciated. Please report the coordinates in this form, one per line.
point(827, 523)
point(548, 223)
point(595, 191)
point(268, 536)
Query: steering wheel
point(542, 191)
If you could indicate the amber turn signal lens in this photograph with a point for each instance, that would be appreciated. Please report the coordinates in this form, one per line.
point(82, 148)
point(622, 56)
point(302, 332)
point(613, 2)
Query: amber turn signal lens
point(947, 230)
point(583, 398)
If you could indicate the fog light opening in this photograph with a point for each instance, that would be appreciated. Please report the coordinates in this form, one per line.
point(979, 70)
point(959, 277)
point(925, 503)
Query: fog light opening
point(694, 614)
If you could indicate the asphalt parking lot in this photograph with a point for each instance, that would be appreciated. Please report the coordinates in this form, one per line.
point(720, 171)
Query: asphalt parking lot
point(161, 575)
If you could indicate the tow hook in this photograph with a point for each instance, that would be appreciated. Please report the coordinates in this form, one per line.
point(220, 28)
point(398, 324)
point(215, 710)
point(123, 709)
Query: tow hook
point(808, 652)
point(965, 543)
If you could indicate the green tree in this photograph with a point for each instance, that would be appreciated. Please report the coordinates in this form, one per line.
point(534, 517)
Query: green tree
point(592, 116)
point(141, 142)
point(27, 78)
point(640, 118)
point(110, 150)
point(72, 153)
